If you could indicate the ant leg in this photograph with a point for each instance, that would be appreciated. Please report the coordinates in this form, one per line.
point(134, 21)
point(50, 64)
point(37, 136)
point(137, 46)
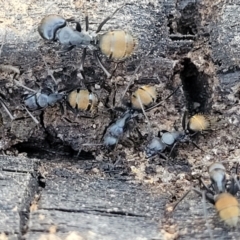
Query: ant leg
point(109, 17)
point(163, 156)
point(184, 121)
point(6, 109)
point(234, 186)
point(78, 25)
point(174, 145)
point(160, 154)
point(208, 190)
point(101, 65)
point(87, 22)
point(66, 49)
point(209, 198)
point(195, 190)
point(20, 85)
point(79, 151)
point(237, 168)
point(33, 118)
point(231, 187)
point(175, 126)
point(185, 194)
point(205, 186)
point(236, 179)
point(195, 145)
point(83, 59)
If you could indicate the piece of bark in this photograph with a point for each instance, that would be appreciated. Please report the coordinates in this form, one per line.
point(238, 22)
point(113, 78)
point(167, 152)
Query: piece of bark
point(18, 184)
point(97, 208)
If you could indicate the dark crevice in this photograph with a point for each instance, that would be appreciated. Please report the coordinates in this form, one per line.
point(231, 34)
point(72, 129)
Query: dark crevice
point(41, 181)
point(34, 188)
point(40, 149)
point(176, 37)
point(38, 231)
point(44, 151)
point(121, 213)
point(146, 81)
point(188, 21)
point(196, 88)
point(13, 170)
point(51, 147)
point(170, 24)
point(41, 118)
point(184, 25)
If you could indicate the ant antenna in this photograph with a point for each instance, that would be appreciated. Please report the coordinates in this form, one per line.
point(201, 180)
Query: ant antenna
point(109, 17)
point(144, 113)
point(135, 72)
point(48, 70)
point(158, 104)
point(185, 194)
point(130, 82)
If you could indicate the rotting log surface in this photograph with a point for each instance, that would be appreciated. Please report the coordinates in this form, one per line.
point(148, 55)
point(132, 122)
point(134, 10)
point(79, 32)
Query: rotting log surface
point(19, 184)
point(118, 195)
point(106, 208)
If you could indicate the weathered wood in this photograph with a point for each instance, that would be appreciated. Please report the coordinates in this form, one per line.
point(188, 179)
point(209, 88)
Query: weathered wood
point(151, 33)
point(194, 43)
point(18, 185)
point(97, 208)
